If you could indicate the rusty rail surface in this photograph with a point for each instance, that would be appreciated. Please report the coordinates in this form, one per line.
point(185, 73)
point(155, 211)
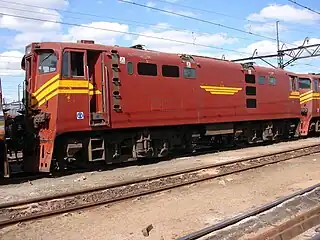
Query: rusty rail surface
point(263, 219)
point(44, 206)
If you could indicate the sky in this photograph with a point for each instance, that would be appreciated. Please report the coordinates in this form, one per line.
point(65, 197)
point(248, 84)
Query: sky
point(227, 29)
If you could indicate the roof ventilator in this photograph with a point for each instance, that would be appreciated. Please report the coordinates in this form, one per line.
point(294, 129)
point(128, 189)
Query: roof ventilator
point(139, 46)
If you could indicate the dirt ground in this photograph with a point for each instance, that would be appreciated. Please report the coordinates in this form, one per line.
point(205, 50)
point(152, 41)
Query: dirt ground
point(52, 186)
point(177, 212)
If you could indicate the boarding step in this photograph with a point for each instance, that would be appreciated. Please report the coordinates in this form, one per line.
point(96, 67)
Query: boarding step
point(97, 119)
point(96, 149)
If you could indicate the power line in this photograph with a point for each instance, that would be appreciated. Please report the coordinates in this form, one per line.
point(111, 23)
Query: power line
point(137, 23)
point(95, 15)
point(198, 19)
point(123, 32)
point(201, 10)
point(305, 7)
point(306, 64)
point(226, 15)
point(125, 20)
point(140, 24)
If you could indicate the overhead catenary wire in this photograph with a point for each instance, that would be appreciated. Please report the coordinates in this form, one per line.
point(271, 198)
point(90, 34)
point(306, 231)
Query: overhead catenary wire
point(130, 33)
point(303, 6)
point(126, 20)
point(230, 16)
point(123, 32)
point(123, 21)
point(204, 21)
point(197, 19)
point(205, 10)
point(137, 23)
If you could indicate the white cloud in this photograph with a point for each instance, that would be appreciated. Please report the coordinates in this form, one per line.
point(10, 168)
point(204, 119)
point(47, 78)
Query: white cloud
point(285, 13)
point(10, 63)
point(31, 30)
point(217, 40)
point(151, 4)
point(267, 28)
point(263, 47)
point(311, 41)
point(98, 35)
point(21, 40)
point(25, 25)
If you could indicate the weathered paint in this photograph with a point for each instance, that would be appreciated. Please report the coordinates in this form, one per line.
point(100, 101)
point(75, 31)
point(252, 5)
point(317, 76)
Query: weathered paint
point(309, 99)
point(156, 100)
point(54, 86)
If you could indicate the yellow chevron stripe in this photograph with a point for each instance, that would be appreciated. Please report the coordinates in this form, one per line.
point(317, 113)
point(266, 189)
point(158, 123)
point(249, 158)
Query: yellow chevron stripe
point(303, 94)
point(219, 90)
point(67, 91)
point(220, 87)
point(222, 93)
point(309, 95)
point(54, 86)
point(309, 99)
point(294, 97)
point(295, 93)
point(50, 81)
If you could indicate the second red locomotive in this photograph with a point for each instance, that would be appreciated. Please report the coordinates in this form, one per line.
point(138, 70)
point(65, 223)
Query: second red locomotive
point(308, 85)
point(87, 102)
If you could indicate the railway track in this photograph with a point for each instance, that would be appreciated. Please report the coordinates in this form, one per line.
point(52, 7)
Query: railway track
point(20, 177)
point(14, 212)
point(285, 218)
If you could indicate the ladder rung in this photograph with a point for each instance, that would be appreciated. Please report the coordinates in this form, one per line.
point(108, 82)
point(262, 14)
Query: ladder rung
point(97, 149)
point(96, 139)
point(98, 159)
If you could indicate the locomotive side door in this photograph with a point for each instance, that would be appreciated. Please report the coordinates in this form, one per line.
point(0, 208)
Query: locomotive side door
point(85, 71)
point(98, 88)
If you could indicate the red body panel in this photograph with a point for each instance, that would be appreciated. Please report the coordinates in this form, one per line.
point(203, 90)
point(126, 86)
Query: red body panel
point(217, 94)
point(310, 105)
point(157, 101)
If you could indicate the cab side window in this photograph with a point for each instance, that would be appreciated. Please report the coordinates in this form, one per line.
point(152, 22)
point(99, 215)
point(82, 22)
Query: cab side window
point(316, 85)
point(73, 64)
point(304, 83)
point(293, 83)
point(47, 62)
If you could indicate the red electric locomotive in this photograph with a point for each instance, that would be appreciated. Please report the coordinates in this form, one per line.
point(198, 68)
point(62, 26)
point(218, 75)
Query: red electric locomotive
point(308, 85)
point(86, 102)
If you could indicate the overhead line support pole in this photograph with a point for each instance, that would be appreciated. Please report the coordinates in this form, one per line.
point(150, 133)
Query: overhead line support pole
point(295, 54)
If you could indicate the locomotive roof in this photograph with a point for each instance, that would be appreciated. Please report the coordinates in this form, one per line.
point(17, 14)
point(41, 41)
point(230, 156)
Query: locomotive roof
point(151, 53)
point(309, 75)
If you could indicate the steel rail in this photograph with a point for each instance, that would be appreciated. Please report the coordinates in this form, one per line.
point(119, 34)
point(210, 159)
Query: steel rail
point(78, 206)
point(233, 220)
point(17, 179)
point(144, 179)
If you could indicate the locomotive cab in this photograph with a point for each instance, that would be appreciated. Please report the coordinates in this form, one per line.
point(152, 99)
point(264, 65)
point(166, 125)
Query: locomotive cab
point(310, 104)
point(57, 74)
